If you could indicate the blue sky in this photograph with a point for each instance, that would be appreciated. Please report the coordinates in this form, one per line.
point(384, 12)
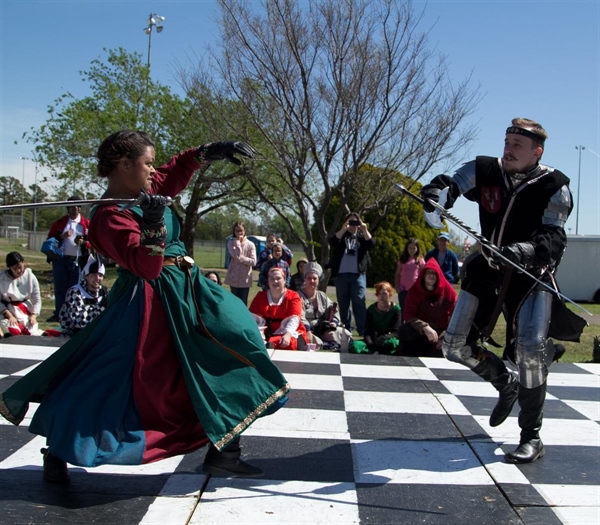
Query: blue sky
point(537, 59)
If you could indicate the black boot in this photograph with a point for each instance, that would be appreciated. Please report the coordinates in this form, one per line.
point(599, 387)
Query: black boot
point(228, 463)
point(55, 469)
point(493, 370)
point(530, 446)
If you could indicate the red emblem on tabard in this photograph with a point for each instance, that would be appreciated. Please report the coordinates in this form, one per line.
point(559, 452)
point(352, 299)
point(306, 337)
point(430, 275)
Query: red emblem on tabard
point(490, 198)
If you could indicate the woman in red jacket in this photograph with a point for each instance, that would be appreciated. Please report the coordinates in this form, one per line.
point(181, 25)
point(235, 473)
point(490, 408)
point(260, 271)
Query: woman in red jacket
point(427, 310)
point(280, 310)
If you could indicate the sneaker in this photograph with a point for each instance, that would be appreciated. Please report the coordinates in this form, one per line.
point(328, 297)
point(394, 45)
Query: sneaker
point(55, 469)
point(53, 319)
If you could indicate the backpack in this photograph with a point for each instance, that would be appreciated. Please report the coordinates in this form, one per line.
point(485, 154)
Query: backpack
point(52, 249)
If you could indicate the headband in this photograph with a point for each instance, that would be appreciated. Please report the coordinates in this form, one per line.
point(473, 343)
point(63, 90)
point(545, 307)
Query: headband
point(526, 133)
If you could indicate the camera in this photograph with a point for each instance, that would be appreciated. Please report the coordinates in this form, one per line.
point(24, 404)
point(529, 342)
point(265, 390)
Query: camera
point(353, 222)
point(350, 252)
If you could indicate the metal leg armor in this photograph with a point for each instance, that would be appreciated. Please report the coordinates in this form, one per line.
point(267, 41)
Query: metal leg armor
point(533, 354)
point(454, 345)
point(484, 363)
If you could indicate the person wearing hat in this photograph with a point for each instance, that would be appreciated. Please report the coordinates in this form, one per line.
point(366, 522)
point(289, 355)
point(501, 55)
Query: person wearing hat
point(445, 257)
point(523, 208)
point(71, 231)
point(319, 312)
point(85, 301)
point(297, 279)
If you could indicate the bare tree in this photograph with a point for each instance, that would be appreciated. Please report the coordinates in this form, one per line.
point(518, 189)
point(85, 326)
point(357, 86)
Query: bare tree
point(333, 86)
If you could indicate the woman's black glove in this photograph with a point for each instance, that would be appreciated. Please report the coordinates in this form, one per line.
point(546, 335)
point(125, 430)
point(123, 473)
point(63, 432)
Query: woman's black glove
point(225, 150)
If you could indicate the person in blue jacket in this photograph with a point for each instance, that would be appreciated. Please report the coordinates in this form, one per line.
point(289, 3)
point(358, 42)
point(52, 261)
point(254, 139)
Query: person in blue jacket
point(445, 257)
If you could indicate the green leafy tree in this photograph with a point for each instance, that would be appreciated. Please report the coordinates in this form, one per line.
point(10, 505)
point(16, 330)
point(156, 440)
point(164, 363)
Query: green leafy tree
point(123, 96)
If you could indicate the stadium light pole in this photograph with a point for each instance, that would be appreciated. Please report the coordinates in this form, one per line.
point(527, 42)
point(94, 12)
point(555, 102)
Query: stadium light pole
point(580, 148)
point(154, 20)
point(35, 196)
point(23, 189)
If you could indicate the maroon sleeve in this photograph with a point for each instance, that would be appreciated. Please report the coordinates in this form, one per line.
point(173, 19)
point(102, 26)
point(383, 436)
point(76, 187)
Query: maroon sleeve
point(57, 227)
point(115, 233)
point(171, 178)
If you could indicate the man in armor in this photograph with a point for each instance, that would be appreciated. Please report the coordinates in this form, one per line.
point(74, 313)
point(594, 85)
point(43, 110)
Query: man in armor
point(523, 207)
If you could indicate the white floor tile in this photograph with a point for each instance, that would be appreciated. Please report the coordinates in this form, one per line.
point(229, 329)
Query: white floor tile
point(493, 458)
point(570, 495)
point(578, 515)
point(272, 502)
point(331, 358)
point(441, 364)
point(176, 501)
point(425, 462)
point(590, 409)
point(400, 403)
point(471, 388)
point(593, 368)
point(573, 432)
point(385, 372)
point(315, 382)
point(25, 371)
point(35, 353)
point(305, 422)
point(579, 380)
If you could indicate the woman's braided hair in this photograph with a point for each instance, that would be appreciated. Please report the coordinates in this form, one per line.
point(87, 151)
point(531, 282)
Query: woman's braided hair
point(122, 144)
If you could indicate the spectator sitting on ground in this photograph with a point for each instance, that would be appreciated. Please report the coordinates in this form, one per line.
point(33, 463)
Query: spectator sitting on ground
point(429, 305)
point(85, 301)
point(297, 279)
point(266, 254)
point(214, 277)
point(446, 258)
point(383, 322)
point(275, 260)
point(279, 311)
point(320, 313)
point(21, 301)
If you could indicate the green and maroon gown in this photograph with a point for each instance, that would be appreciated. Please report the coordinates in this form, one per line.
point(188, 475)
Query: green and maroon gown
point(162, 371)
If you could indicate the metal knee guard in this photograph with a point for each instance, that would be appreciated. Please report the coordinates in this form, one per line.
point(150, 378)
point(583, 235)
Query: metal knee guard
point(532, 331)
point(454, 346)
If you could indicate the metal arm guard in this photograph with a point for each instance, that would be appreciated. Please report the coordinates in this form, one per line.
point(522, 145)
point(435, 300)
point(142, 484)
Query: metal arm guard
point(453, 346)
point(532, 331)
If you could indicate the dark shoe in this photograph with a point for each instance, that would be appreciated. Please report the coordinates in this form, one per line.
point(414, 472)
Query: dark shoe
point(53, 319)
point(55, 469)
point(527, 452)
point(228, 464)
point(508, 397)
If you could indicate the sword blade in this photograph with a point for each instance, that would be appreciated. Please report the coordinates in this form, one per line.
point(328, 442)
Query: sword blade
point(484, 242)
point(58, 204)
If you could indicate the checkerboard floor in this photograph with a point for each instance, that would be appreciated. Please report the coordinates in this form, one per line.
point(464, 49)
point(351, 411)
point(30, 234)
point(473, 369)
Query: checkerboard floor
point(363, 439)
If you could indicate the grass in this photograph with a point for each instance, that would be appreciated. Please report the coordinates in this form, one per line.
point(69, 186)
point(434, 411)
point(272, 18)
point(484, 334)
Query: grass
point(208, 257)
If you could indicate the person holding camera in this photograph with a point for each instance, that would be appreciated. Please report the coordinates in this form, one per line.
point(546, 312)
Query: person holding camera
point(349, 260)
